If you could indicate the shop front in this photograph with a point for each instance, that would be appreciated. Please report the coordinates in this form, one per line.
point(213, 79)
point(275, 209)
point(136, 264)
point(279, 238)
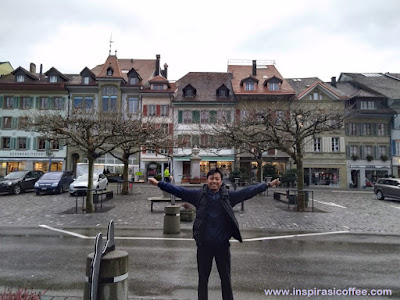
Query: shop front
point(364, 176)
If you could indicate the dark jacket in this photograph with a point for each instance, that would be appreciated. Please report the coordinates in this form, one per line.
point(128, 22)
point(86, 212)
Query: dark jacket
point(198, 198)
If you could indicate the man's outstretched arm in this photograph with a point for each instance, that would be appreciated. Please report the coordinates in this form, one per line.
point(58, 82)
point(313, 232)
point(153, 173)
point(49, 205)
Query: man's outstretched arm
point(250, 191)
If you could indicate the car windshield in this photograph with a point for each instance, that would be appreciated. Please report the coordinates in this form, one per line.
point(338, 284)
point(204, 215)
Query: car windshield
point(15, 175)
point(51, 176)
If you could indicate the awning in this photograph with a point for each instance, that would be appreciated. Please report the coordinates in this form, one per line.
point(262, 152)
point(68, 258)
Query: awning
point(30, 159)
point(206, 158)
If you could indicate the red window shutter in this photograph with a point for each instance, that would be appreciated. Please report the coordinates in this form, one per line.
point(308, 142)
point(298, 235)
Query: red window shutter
point(170, 128)
point(145, 110)
point(143, 150)
point(158, 110)
point(237, 114)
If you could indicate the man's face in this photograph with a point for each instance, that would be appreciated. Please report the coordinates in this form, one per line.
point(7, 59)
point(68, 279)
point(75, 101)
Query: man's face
point(214, 182)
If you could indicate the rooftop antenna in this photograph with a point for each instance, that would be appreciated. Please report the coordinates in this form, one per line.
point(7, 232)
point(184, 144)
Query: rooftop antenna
point(111, 41)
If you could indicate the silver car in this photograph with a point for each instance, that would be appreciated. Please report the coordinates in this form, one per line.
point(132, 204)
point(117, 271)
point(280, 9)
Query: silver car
point(100, 182)
point(387, 187)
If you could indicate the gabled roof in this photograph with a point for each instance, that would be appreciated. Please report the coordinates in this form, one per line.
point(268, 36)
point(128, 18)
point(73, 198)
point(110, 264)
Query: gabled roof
point(240, 72)
point(389, 86)
point(305, 86)
point(206, 85)
point(21, 69)
point(87, 70)
point(53, 70)
point(111, 62)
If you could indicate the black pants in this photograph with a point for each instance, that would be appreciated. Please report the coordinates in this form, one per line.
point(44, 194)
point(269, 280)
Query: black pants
point(205, 256)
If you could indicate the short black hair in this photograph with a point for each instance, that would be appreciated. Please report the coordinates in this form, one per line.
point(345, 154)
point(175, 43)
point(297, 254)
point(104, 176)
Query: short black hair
point(213, 171)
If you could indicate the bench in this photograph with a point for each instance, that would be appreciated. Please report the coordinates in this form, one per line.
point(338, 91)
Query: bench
point(160, 199)
point(98, 196)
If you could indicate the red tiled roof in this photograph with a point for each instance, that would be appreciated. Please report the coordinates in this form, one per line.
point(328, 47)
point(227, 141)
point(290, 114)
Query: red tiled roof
point(241, 72)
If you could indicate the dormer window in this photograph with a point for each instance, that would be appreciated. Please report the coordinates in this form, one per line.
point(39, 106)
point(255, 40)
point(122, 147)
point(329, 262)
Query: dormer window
point(222, 91)
point(249, 86)
point(157, 86)
point(85, 80)
point(273, 83)
point(189, 91)
point(273, 86)
point(133, 77)
point(53, 79)
point(133, 80)
point(110, 71)
point(20, 78)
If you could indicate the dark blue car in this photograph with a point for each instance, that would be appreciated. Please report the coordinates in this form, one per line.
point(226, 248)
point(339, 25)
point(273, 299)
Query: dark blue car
point(54, 182)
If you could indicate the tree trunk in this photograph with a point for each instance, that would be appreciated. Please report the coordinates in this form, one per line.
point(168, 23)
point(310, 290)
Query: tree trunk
point(125, 183)
point(301, 198)
point(89, 195)
point(259, 170)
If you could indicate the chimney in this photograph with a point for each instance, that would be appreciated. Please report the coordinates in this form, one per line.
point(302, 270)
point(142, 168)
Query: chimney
point(157, 65)
point(333, 81)
point(166, 70)
point(32, 68)
point(41, 71)
point(254, 73)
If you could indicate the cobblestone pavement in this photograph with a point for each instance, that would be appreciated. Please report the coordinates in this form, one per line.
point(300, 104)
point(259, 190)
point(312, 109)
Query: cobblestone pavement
point(353, 210)
point(336, 210)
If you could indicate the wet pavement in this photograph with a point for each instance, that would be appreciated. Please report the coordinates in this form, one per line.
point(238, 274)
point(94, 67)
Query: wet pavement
point(356, 211)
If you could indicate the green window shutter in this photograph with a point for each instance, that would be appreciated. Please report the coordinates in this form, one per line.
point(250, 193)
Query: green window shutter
point(31, 99)
point(28, 143)
point(51, 102)
point(195, 117)
point(180, 117)
point(1, 123)
point(37, 103)
point(13, 143)
point(35, 142)
point(213, 116)
point(16, 102)
point(14, 123)
point(1, 101)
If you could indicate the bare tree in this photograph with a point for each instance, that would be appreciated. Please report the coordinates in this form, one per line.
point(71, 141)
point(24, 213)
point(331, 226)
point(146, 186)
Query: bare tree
point(93, 133)
point(284, 126)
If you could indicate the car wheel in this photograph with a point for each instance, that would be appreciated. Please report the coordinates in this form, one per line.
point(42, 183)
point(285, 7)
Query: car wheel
point(60, 190)
point(37, 193)
point(379, 195)
point(17, 189)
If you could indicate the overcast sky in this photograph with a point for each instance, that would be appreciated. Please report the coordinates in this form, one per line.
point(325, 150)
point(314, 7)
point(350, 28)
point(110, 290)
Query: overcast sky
point(306, 38)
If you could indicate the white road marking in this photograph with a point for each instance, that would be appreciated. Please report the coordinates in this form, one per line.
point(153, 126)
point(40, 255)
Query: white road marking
point(191, 239)
point(330, 203)
point(398, 207)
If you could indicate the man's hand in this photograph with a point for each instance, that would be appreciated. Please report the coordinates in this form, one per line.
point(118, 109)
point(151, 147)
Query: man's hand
point(153, 181)
point(274, 182)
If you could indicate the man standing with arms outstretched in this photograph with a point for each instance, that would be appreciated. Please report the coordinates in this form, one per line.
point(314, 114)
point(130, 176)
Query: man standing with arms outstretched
point(214, 225)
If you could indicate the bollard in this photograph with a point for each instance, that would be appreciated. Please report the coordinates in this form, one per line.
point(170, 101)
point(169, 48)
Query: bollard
point(172, 219)
point(113, 278)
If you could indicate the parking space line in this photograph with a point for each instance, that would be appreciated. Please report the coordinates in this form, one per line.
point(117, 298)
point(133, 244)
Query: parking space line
point(329, 203)
point(191, 239)
point(398, 207)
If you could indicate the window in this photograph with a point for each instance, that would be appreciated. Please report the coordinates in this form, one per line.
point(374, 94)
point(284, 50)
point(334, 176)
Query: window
point(133, 105)
point(25, 103)
point(317, 145)
point(133, 80)
point(7, 122)
point(184, 140)
point(20, 78)
point(9, 102)
point(352, 129)
point(279, 116)
point(55, 145)
point(58, 103)
point(110, 71)
point(158, 86)
point(6, 143)
point(86, 80)
point(150, 151)
point(224, 116)
point(366, 129)
point(53, 79)
point(382, 151)
point(381, 129)
point(109, 99)
point(22, 124)
point(41, 144)
point(21, 143)
point(163, 151)
point(368, 105)
point(273, 86)
point(335, 144)
point(165, 128)
point(44, 103)
point(353, 150)
point(152, 109)
point(222, 93)
point(204, 141)
point(315, 96)
point(195, 140)
point(367, 151)
point(164, 110)
point(249, 86)
point(187, 117)
point(204, 117)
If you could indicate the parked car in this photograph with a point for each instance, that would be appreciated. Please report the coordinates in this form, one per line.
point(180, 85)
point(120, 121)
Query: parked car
point(387, 187)
point(19, 181)
point(100, 182)
point(54, 182)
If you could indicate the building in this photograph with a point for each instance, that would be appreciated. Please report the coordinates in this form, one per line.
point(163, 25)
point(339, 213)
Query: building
point(202, 98)
point(22, 93)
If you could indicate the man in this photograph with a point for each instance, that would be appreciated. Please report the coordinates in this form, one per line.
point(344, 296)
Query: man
point(214, 225)
point(166, 174)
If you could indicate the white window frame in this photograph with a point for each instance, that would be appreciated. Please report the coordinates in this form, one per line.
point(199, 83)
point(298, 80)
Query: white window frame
point(335, 144)
point(250, 86)
point(317, 145)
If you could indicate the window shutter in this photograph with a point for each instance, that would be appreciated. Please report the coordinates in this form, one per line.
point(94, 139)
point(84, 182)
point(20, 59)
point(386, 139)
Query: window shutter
point(51, 102)
point(28, 143)
point(144, 150)
point(213, 116)
point(180, 117)
point(393, 148)
point(158, 110)
point(237, 117)
point(35, 142)
point(145, 110)
point(1, 123)
point(37, 103)
point(348, 151)
point(16, 102)
point(14, 123)
point(374, 129)
point(1, 101)
point(13, 143)
point(362, 155)
point(170, 128)
point(375, 154)
point(195, 117)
